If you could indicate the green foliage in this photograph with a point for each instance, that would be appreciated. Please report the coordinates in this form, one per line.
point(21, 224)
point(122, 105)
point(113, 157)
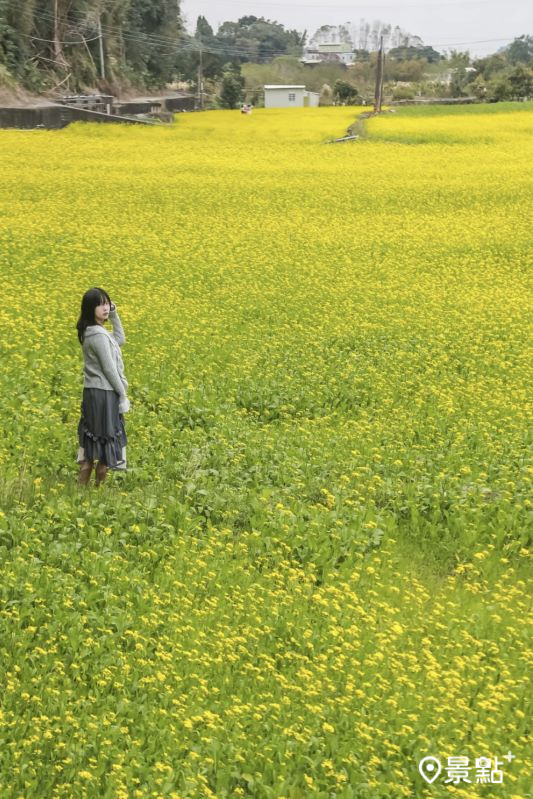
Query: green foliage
point(15, 29)
point(288, 69)
point(521, 83)
point(460, 59)
point(490, 66)
point(460, 79)
point(520, 51)
point(405, 70)
point(512, 84)
point(468, 110)
point(428, 54)
point(402, 93)
point(204, 31)
point(50, 43)
point(231, 93)
point(57, 41)
point(247, 41)
point(316, 570)
point(326, 95)
point(499, 77)
point(345, 92)
point(257, 39)
point(151, 52)
point(207, 49)
point(6, 79)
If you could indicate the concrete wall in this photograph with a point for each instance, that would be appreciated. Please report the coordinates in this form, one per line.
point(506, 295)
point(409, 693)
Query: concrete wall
point(166, 103)
point(179, 103)
point(133, 107)
point(43, 117)
point(56, 116)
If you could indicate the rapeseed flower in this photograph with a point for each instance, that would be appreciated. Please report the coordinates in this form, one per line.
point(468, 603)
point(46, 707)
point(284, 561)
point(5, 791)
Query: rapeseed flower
point(316, 572)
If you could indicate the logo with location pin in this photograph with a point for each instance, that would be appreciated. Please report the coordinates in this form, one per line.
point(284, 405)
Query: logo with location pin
point(430, 768)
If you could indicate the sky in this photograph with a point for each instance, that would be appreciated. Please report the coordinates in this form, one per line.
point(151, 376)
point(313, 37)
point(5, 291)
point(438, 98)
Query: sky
point(479, 26)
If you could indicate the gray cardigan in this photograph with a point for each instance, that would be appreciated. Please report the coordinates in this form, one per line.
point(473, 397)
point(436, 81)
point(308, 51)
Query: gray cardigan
point(102, 361)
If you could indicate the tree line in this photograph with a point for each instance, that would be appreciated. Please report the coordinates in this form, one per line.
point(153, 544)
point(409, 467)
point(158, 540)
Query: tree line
point(506, 75)
point(44, 43)
point(72, 45)
point(111, 44)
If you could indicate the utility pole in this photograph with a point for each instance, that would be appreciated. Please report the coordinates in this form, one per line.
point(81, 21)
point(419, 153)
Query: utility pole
point(59, 56)
point(200, 81)
point(101, 47)
point(379, 78)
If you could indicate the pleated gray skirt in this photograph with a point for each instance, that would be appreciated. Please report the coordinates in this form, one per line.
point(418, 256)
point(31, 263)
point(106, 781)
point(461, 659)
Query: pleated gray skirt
point(101, 432)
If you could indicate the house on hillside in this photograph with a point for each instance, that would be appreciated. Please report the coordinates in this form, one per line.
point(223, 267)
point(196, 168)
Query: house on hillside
point(291, 96)
point(329, 52)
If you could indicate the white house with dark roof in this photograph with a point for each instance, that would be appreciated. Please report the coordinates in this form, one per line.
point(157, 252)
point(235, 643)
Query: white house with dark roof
point(289, 96)
point(329, 52)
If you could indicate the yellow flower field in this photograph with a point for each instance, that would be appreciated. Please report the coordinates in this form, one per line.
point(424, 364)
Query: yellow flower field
point(316, 571)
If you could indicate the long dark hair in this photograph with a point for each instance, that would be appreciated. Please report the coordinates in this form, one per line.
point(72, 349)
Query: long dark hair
point(90, 300)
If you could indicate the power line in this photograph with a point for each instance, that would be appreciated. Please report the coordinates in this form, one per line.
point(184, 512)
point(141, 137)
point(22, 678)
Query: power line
point(138, 36)
point(478, 41)
point(369, 6)
point(184, 43)
point(54, 41)
point(180, 43)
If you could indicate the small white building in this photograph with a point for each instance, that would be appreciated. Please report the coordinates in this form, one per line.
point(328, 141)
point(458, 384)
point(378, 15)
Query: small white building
point(295, 96)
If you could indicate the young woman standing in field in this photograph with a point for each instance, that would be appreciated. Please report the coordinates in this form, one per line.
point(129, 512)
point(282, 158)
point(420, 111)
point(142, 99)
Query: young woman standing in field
point(101, 432)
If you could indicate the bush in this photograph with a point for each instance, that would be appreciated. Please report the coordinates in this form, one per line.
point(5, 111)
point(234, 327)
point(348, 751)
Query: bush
point(345, 92)
point(6, 78)
point(231, 93)
point(326, 95)
point(403, 93)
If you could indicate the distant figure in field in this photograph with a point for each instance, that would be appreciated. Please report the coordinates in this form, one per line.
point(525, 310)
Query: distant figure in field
point(101, 432)
point(246, 109)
